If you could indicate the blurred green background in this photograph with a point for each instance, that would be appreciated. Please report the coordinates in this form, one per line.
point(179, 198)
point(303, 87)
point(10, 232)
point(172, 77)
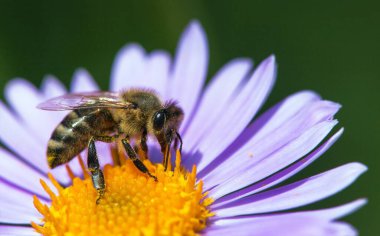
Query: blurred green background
point(328, 46)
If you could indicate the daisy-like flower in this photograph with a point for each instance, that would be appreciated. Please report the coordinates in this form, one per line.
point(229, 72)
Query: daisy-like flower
point(225, 182)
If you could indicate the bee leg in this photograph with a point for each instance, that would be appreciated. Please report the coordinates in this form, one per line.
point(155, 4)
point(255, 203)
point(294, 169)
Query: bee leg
point(94, 167)
point(144, 146)
point(137, 162)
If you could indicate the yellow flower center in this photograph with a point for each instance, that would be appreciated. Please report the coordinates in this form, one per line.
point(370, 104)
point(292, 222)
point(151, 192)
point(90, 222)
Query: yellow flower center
point(133, 203)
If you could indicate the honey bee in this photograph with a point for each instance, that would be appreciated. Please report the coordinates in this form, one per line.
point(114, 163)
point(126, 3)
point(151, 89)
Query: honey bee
point(108, 117)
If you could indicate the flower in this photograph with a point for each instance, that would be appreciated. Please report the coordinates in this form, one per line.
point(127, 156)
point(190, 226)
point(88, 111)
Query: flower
point(237, 162)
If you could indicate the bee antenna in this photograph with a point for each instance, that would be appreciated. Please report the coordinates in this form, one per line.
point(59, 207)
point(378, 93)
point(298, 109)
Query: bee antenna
point(170, 103)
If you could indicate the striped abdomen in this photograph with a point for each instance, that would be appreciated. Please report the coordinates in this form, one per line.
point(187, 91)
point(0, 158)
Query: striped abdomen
point(72, 135)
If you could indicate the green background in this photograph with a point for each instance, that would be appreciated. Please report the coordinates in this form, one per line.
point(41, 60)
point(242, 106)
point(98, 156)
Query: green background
point(328, 46)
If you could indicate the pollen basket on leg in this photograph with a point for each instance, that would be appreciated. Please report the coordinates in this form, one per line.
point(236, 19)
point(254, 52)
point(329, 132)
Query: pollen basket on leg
point(133, 204)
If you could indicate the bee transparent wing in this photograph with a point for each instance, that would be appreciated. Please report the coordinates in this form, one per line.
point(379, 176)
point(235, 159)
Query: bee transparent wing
point(74, 101)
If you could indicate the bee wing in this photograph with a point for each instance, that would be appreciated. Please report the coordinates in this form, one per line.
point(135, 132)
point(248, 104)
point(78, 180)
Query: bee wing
point(74, 101)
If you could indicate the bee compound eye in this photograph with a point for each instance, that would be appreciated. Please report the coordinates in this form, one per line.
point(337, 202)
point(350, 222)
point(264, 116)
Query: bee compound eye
point(159, 120)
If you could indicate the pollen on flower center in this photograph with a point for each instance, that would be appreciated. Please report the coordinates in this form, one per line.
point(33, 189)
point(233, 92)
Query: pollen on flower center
point(133, 204)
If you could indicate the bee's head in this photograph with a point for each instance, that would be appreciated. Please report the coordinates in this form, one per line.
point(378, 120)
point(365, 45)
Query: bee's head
point(167, 118)
point(166, 122)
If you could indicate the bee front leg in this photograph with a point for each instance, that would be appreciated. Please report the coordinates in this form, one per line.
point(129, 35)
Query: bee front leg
point(94, 167)
point(137, 162)
point(144, 146)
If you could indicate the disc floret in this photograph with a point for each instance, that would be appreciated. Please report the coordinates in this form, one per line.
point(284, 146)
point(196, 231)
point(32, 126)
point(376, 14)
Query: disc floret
point(133, 204)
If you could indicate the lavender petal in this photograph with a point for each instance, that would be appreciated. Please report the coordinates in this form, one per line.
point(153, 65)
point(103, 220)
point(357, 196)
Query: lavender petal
point(37, 121)
point(280, 176)
point(13, 132)
point(11, 230)
point(189, 68)
point(228, 127)
point(284, 226)
point(217, 95)
point(28, 178)
point(297, 194)
point(156, 74)
point(52, 87)
point(329, 214)
point(83, 82)
point(128, 68)
point(239, 176)
point(260, 147)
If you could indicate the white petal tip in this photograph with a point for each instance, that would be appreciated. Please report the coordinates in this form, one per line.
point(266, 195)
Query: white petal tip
point(270, 63)
point(48, 77)
point(355, 169)
point(361, 202)
point(79, 72)
point(194, 32)
point(131, 48)
point(14, 84)
point(83, 82)
point(194, 25)
point(340, 132)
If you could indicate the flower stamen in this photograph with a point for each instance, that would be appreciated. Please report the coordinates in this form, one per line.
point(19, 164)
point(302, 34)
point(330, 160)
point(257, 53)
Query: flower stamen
point(133, 203)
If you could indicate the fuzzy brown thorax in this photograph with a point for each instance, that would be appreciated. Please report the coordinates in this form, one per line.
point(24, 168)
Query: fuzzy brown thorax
point(134, 121)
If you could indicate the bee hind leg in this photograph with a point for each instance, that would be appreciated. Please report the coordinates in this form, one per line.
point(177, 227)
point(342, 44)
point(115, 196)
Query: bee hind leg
point(96, 173)
point(137, 162)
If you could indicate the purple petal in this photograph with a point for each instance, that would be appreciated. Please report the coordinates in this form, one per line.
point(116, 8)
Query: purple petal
point(52, 87)
point(280, 176)
point(156, 73)
point(283, 111)
point(13, 132)
point(241, 174)
point(83, 82)
point(17, 215)
point(19, 197)
point(300, 193)
point(20, 174)
point(8, 230)
point(128, 68)
point(228, 127)
point(329, 214)
point(39, 122)
point(17, 207)
point(273, 118)
point(189, 68)
point(259, 149)
point(217, 95)
point(333, 213)
point(284, 226)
